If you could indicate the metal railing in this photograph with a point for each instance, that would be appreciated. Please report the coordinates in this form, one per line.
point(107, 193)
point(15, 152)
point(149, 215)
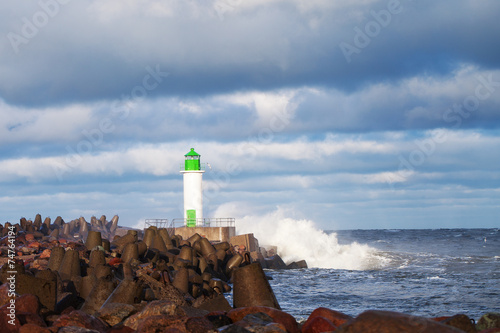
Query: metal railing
point(159, 223)
point(204, 222)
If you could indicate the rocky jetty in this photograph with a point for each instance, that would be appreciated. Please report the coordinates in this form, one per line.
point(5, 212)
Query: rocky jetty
point(98, 277)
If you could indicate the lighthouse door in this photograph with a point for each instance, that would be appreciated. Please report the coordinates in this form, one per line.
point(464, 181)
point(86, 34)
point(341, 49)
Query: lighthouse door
point(191, 218)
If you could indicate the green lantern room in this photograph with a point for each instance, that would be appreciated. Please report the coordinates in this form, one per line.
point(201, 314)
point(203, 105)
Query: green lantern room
point(192, 161)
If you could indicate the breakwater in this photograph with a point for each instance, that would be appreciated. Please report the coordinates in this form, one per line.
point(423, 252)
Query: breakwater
point(80, 274)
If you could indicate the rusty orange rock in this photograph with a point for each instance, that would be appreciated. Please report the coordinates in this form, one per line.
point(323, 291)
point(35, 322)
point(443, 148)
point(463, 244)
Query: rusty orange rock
point(45, 253)
point(318, 324)
point(275, 328)
point(162, 323)
point(80, 319)
point(4, 294)
point(120, 329)
point(199, 325)
point(27, 303)
point(9, 322)
point(114, 261)
point(31, 318)
point(461, 321)
point(278, 316)
point(336, 317)
point(32, 328)
point(34, 244)
point(375, 321)
point(24, 312)
point(219, 318)
point(154, 308)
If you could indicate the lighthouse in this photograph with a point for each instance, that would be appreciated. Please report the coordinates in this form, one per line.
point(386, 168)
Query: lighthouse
point(215, 229)
point(192, 173)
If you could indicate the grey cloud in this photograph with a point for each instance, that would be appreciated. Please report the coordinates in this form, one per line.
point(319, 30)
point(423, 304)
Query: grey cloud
point(81, 57)
point(226, 77)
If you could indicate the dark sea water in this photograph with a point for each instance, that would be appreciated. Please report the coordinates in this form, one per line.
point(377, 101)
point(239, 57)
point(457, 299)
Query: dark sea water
point(421, 272)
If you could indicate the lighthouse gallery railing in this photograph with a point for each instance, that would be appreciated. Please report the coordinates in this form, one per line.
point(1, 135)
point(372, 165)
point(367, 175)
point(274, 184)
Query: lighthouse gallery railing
point(205, 222)
point(159, 223)
point(180, 222)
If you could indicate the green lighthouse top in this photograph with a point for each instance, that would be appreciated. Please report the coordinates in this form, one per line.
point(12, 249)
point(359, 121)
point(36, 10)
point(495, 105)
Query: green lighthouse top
point(192, 160)
point(192, 153)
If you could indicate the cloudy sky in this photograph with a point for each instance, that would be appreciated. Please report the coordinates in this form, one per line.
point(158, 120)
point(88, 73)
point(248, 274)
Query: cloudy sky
point(350, 114)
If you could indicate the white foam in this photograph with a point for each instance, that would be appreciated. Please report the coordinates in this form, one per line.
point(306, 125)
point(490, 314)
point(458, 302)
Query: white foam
point(300, 239)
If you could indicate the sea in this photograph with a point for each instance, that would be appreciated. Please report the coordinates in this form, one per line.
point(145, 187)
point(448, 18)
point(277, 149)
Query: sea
point(424, 272)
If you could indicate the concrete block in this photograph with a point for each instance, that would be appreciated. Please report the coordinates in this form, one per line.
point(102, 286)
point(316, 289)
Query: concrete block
point(248, 240)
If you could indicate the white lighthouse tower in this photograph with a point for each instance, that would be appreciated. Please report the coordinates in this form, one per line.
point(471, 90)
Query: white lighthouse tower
point(193, 193)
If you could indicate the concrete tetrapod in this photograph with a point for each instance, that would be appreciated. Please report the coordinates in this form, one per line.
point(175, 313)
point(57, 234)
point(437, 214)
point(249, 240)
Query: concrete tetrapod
point(70, 265)
point(233, 263)
point(88, 283)
point(125, 292)
point(97, 257)
point(149, 235)
point(84, 231)
point(206, 247)
point(106, 245)
point(93, 239)
point(159, 244)
point(166, 238)
point(186, 254)
point(251, 288)
point(181, 280)
point(54, 233)
point(114, 224)
point(196, 237)
point(130, 252)
point(66, 229)
point(98, 295)
point(56, 258)
point(141, 248)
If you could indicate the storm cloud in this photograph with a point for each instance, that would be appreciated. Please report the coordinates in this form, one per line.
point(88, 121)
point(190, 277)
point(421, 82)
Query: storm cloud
point(350, 113)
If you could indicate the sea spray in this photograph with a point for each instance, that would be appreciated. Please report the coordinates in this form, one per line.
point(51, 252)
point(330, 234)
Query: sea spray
point(300, 239)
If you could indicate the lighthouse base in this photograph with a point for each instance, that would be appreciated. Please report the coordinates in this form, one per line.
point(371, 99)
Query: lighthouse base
point(213, 234)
